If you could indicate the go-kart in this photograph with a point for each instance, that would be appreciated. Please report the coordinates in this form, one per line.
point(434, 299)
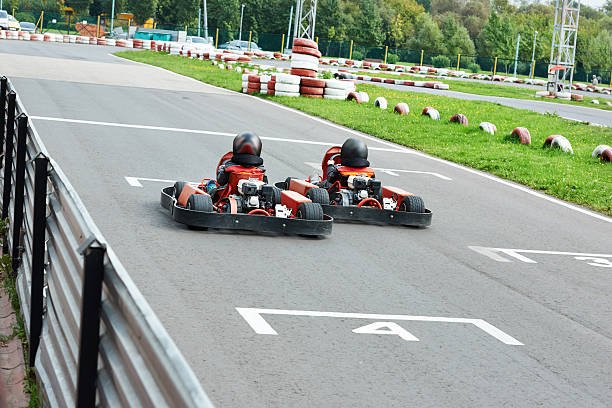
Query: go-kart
point(359, 197)
point(247, 203)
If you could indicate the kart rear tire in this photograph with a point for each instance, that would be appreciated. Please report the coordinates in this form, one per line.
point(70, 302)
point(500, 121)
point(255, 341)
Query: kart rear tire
point(200, 202)
point(318, 195)
point(310, 211)
point(178, 188)
point(276, 198)
point(413, 204)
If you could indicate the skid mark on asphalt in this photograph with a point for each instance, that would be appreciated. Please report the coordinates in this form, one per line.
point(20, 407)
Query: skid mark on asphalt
point(195, 131)
point(391, 172)
point(496, 254)
point(254, 318)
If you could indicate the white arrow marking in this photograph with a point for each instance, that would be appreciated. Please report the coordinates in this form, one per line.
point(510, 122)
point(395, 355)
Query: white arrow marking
point(493, 253)
point(136, 181)
point(391, 328)
point(261, 326)
point(391, 172)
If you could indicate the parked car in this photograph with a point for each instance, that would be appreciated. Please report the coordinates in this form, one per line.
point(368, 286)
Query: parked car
point(197, 40)
point(239, 46)
point(13, 24)
point(4, 23)
point(27, 27)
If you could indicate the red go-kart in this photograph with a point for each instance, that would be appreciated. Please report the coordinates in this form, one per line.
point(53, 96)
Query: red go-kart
point(248, 203)
point(359, 197)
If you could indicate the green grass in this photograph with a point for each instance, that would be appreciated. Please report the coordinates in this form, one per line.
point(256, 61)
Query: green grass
point(578, 178)
point(494, 89)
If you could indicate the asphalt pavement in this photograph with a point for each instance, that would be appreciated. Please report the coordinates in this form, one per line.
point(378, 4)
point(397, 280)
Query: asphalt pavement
point(507, 292)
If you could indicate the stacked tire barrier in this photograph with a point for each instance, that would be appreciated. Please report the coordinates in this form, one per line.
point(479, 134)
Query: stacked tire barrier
point(312, 87)
point(338, 89)
point(305, 58)
point(93, 339)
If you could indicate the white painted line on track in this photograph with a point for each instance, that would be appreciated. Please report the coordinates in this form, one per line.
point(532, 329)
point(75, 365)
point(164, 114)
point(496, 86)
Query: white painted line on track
point(136, 181)
point(194, 131)
point(600, 260)
point(391, 172)
point(253, 317)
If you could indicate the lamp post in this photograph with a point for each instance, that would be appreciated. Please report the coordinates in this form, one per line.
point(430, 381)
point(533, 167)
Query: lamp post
point(535, 36)
point(241, 16)
point(518, 44)
point(113, 17)
point(205, 19)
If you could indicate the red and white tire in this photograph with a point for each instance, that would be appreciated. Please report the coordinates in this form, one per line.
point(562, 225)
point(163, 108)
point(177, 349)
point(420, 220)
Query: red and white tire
point(599, 150)
point(283, 93)
point(288, 79)
point(111, 42)
point(304, 42)
point(381, 102)
point(101, 41)
point(561, 142)
point(287, 88)
point(313, 82)
point(401, 108)
point(488, 127)
point(303, 72)
point(93, 41)
point(522, 134)
point(460, 118)
point(307, 51)
point(307, 90)
point(431, 112)
point(354, 96)
point(606, 156)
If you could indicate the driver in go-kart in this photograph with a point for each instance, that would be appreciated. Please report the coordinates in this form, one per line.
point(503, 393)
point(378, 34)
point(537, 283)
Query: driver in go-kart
point(354, 154)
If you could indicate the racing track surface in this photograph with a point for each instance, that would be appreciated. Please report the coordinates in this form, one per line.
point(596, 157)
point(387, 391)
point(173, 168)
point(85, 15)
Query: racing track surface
point(556, 303)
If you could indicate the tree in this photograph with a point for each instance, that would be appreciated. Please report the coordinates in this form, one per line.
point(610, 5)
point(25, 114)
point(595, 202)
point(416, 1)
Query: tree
point(497, 37)
point(427, 35)
point(398, 20)
point(142, 10)
point(456, 37)
point(367, 27)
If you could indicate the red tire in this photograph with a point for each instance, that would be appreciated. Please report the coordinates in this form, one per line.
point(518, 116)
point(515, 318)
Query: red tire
point(305, 42)
point(522, 134)
point(307, 51)
point(254, 78)
point(389, 81)
point(307, 90)
point(549, 140)
point(354, 96)
point(401, 108)
point(252, 91)
point(271, 91)
point(606, 156)
point(313, 82)
point(254, 86)
point(271, 86)
point(460, 118)
point(304, 72)
point(408, 83)
point(376, 79)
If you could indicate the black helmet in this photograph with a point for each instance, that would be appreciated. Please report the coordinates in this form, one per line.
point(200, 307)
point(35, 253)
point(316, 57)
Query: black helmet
point(354, 153)
point(247, 143)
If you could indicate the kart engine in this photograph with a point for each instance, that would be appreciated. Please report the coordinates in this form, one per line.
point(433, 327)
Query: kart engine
point(362, 187)
point(250, 191)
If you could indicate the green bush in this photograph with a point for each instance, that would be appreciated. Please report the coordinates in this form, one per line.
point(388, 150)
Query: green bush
point(440, 61)
point(26, 16)
point(392, 59)
point(357, 55)
point(473, 67)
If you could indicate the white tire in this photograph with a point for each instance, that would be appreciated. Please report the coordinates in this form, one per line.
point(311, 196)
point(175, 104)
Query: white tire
point(337, 84)
point(245, 84)
point(304, 58)
point(380, 102)
point(334, 97)
point(562, 143)
point(599, 150)
point(286, 88)
point(288, 79)
point(433, 113)
point(488, 127)
point(365, 98)
point(305, 65)
point(291, 94)
point(441, 86)
point(336, 92)
point(419, 84)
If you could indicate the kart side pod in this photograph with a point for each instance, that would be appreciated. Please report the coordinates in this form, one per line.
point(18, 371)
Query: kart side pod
point(300, 186)
point(395, 193)
point(292, 200)
point(187, 192)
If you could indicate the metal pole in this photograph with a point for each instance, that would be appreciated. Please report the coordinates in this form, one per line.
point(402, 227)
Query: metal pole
point(112, 17)
point(199, 22)
point(217, 39)
point(89, 346)
point(3, 89)
point(535, 36)
point(250, 38)
point(8, 159)
point(494, 68)
point(518, 43)
point(421, 63)
point(41, 164)
point(351, 51)
point(289, 28)
point(296, 20)
point(282, 44)
point(458, 61)
point(386, 53)
point(205, 19)
point(17, 221)
point(241, 17)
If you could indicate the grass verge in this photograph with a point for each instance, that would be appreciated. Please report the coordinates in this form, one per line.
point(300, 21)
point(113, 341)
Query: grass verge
point(9, 282)
point(577, 178)
point(495, 89)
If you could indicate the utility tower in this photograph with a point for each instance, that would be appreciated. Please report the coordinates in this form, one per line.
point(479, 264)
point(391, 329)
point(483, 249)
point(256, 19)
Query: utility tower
point(305, 19)
point(563, 50)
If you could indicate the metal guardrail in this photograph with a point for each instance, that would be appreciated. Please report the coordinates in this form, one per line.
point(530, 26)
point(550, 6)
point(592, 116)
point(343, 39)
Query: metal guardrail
point(93, 338)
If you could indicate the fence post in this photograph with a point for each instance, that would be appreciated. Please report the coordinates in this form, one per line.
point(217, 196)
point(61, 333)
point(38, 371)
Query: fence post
point(3, 89)
point(17, 221)
point(494, 68)
point(351, 51)
point(217, 39)
point(458, 61)
point(8, 159)
point(282, 44)
point(41, 165)
point(421, 64)
point(386, 52)
point(93, 276)
point(610, 79)
point(250, 38)
point(317, 41)
point(98, 28)
point(533, 69)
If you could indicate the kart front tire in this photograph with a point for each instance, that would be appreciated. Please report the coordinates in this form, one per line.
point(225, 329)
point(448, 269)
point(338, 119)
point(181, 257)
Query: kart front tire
point(318, 195)
point(310, 211)
point(413, 204)
point(200, 202)
point(178, 188)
